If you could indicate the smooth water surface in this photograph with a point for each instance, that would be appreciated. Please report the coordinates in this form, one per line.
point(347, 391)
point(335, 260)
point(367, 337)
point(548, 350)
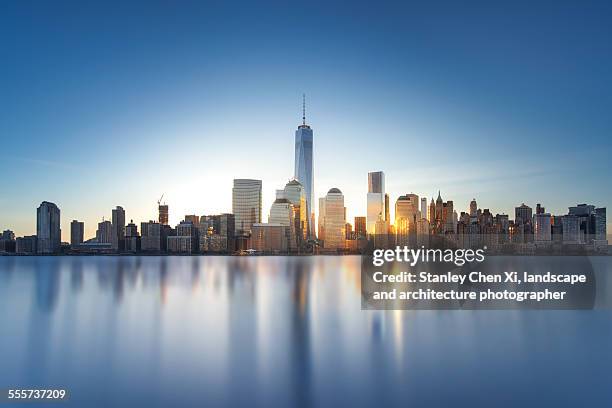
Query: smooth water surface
point(279, 331)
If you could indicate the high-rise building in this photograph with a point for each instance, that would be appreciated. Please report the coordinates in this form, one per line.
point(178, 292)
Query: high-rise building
point(104, 233)
point(571, 229)
point(304, 165)
point(360, 227)
point(473, 208)
point(77, 229)
point(151, 236)
point(321, 223)
point(7, 241)
point(387, 209)
point(423, 207)
point(118, 229)
point(523, 214)
point(163, 214)
point(407, 206)
point(600, 224)
point(26, 245)
point(282, 213)
point(295, 193)
point(132, 240)
point(246, 203)
point(406, 218)
point(185, 240)
point(269, 237)
point(376, 200)
point(194, 219)
point(48, 232)
point(334, 220)
point(542, 231)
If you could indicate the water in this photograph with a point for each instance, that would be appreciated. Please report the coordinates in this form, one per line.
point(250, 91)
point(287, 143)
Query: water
point(279, 331)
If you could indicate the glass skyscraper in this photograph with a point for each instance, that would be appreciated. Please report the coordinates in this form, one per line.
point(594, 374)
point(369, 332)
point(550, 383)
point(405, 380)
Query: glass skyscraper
point(246, 203)
point(304, 167)
point(48, 233)
point(376, 200)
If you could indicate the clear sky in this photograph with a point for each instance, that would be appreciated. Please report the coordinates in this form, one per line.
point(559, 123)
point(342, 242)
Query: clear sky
point(115, 104)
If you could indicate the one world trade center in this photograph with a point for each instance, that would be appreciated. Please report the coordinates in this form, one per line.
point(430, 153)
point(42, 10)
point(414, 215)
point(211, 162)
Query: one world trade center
point(304, 164)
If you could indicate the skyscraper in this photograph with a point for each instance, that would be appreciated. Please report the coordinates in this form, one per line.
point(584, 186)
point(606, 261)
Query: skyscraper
point(118, 229)
point(163, 214)
point(104, 232)
point(473, 208)
point(407, 206)
point(246, 203)
point(334, 222)
point(76, 232)
point(360, 227)
point(523, 214)
point(295, 193)
point(48, 232)
point(376, 200)
point(304, 166)
point(423, 207)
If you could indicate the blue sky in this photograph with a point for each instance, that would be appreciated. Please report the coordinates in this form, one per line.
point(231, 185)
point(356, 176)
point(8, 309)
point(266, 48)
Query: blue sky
point(115, 104)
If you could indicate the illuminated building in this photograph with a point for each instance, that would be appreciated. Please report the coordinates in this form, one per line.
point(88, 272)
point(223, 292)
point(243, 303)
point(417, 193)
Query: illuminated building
point(334, 221)
point(375, 200)
point(304, 166)
point(246, 203)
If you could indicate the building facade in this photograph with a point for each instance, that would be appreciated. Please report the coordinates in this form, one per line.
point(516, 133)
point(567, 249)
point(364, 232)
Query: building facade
point(48, 232)
point(246, 203)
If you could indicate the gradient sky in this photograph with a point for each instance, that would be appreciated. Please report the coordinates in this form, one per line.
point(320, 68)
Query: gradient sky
point(105, 105)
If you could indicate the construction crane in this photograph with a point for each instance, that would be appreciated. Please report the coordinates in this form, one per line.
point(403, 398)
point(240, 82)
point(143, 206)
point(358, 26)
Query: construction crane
point(160, 199)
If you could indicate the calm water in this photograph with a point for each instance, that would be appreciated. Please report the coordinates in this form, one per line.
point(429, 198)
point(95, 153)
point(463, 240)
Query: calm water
point(278, 331)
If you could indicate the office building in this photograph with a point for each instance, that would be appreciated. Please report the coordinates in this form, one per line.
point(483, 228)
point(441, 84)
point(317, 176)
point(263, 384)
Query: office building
point(376, 209)
point(360, 227)
point(7, 241)
point(48, 232)
point(246, 203)
point(423, 208)
point(296, 194)
point(163, 213)
point(542, 231)
point(334, 222)
point(118, 229)
point(304, 165)
point(77, 230)
point(185, 239)
point(270, 238)
point(282, 213)
point(26, 245)
point(151, 236)
point(522, 214)
point(104, 233)
point(132, 240)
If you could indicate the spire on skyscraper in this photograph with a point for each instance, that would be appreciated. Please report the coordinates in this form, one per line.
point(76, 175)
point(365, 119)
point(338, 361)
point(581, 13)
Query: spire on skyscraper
point(304, 109)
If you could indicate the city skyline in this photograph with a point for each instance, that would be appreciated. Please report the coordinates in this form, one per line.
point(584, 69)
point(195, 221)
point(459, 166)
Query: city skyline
point(183, 106)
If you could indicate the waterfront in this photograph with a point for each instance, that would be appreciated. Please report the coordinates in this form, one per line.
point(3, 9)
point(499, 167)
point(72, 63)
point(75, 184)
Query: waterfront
point(280, 331)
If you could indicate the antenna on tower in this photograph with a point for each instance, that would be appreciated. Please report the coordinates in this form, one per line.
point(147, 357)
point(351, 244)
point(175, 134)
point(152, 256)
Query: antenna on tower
point(304, 109)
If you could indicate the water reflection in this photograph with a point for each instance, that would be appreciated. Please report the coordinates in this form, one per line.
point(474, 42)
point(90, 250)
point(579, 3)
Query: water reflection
point(277, 331)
